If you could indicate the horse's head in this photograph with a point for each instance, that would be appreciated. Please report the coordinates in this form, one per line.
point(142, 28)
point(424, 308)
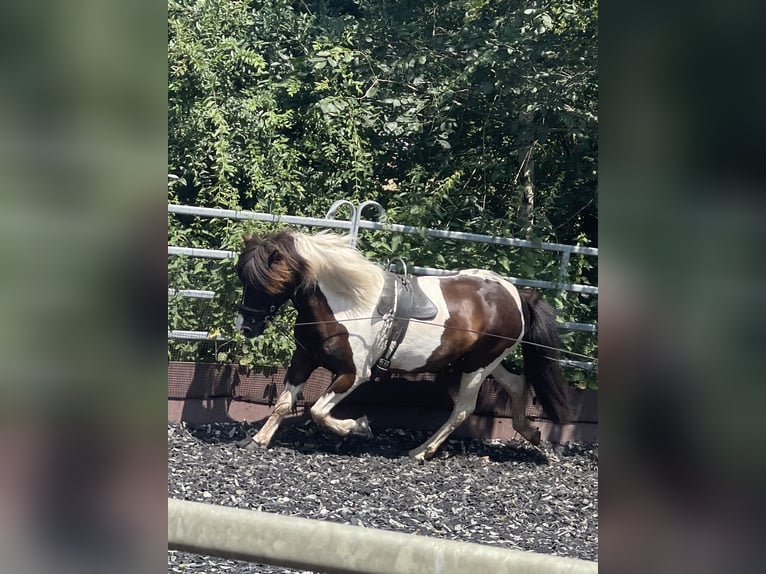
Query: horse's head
point(270, 271)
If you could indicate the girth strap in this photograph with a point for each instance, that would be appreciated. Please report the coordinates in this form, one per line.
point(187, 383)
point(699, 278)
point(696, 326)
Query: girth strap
point(403, 299)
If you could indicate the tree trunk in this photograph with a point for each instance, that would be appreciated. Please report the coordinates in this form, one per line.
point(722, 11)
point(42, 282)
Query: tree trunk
point(527, 171)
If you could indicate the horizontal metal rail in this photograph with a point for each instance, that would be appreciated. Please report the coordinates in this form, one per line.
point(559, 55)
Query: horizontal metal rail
point(586, 365)
point(479, 238)
point(408, 229)
point(192, 293)
point(204, 294)
point(323, 546)
point(180, 334)
point(199, 252)
point(573, 287)
point(256, 216)
point(569, 326)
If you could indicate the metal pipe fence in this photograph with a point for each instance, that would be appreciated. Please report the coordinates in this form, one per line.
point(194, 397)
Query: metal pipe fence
point(352, 226)
point(330, 547)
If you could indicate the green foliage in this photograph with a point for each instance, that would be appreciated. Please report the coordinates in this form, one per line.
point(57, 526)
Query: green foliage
point(434, 109)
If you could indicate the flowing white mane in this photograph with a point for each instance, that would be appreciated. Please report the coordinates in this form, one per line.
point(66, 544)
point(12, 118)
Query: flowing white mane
point(340, 267)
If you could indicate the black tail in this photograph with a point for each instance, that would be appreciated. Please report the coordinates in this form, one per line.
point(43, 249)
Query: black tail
point(541, 367)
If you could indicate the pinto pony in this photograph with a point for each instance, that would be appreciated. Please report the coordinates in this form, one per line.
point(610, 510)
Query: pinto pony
point(477, 319)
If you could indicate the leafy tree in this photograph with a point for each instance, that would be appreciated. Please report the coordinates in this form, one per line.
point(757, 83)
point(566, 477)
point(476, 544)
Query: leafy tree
point(470, 115)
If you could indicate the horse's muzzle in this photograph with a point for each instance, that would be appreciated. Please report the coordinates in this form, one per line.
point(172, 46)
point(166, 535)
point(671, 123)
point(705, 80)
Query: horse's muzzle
point(252, 330)
point(249, 328)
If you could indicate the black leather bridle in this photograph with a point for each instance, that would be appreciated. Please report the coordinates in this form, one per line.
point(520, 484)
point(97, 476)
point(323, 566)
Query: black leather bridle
point(254, 314)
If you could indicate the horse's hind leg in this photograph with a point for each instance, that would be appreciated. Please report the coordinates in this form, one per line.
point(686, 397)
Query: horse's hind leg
point(518, 388)
point(465, 404)
point(342, 386)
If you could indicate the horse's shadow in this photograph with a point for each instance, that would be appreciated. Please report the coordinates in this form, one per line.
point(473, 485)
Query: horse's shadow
point(303, 437)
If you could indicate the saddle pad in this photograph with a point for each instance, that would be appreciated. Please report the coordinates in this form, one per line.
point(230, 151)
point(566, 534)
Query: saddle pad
point(412, 302)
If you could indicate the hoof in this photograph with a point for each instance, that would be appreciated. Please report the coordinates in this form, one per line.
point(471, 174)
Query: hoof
point(244, 442)
point(362, 427)
point(419, 456)
point(532, 434)
point(250, 443)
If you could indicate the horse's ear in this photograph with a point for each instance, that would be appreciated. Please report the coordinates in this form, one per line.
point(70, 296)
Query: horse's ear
point(246, 237)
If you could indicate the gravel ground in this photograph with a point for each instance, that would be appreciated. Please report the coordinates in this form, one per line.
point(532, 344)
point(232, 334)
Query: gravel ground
point(506, 495)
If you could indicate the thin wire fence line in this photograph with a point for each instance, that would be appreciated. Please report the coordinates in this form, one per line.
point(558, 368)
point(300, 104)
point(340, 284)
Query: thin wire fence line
point(283, 326)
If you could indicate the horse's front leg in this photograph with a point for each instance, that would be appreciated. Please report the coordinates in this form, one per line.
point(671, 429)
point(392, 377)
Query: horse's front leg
point(297, 374)
point(342, 386)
